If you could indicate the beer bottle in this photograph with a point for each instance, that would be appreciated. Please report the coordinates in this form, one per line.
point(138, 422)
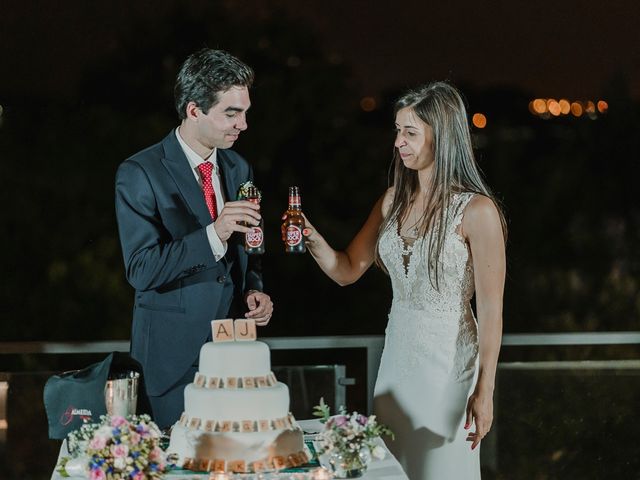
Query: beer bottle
point(254, 240)
point(294, 224)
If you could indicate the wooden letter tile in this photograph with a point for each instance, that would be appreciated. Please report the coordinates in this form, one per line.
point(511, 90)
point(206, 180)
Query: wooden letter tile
point(245, 329)
point(210, 426)
point(204, 465)
point(237, 466)
point(226, 426)
point(219, 465)
point(231, 382)
point(248, 382)
point(194, 424)
point(263, 425)
point(259, 466)
point(261, 382)
point(214, 382)
point(247, 426)
point(200, 380)
point(222, 330)
point(183, 419)
point(279, 462)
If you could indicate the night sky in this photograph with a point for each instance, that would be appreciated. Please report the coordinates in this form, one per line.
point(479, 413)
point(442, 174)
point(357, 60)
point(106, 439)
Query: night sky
point(554, 49)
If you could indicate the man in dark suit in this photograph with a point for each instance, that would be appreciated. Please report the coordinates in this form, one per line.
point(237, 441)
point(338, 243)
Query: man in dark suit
point(181, 229)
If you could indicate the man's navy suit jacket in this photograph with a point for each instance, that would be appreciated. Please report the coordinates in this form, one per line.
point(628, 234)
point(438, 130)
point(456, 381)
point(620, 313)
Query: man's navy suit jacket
point(179, 286)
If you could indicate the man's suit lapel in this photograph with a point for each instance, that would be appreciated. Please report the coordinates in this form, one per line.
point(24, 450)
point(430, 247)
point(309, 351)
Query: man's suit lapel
point(178, 166)
point(229, 176)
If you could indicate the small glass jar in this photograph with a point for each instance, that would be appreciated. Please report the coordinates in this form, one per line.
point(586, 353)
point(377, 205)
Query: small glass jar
point(352, 465)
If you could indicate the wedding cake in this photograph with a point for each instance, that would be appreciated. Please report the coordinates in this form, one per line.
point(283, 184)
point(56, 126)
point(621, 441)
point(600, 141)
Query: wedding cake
point(236, 416)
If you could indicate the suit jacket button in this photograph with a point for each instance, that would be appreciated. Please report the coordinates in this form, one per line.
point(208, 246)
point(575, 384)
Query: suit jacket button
point(222, 278)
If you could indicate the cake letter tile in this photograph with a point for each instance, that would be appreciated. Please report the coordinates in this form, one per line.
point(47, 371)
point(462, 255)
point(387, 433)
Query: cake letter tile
point(219, 465)
point(222, 330)
point(210, 426)
point(248, 382)
point(237, 466)
point(245, 329)
point(199, 380)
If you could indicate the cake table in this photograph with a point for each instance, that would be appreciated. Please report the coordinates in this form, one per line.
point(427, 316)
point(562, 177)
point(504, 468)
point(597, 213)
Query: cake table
point(385, 469)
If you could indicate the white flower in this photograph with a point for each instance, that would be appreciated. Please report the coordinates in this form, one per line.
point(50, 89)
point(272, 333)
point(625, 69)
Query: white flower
point(378, 452)
point(119, 463)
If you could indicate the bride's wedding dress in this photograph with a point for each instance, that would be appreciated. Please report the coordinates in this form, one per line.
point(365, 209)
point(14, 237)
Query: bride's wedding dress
point(428, 365)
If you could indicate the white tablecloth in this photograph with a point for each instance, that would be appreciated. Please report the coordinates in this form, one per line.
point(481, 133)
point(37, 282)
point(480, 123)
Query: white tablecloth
point(385, 469)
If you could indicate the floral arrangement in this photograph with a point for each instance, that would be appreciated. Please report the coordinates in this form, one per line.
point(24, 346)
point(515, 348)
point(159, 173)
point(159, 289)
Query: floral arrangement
point(349, 437)
point(116, 448)
point(243, 191)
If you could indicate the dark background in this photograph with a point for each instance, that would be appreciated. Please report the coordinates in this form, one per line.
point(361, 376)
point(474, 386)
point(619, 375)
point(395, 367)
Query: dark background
point(83, 85)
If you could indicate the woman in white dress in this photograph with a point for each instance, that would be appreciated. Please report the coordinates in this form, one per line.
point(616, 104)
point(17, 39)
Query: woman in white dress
point(440, 235)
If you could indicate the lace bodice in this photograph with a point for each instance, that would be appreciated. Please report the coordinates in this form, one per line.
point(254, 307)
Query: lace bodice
point(407, 265)
point(429, 326)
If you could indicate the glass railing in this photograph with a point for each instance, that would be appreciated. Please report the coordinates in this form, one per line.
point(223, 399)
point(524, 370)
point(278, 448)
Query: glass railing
point(565, 404)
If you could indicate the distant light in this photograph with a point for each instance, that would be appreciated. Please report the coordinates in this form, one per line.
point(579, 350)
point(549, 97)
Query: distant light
point(368, 104)
point(293, 61)
point(540, 106)
point(479, 120)
point(565, 106)
point(2, 109)
point(554, 107)
point(590, 107)
point(576, 109)
point(603, 107)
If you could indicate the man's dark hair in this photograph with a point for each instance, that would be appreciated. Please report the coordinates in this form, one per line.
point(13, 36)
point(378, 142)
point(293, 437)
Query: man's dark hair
point(205, 73)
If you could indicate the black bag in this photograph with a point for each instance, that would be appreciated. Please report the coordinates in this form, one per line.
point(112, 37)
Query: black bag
point(73, 398)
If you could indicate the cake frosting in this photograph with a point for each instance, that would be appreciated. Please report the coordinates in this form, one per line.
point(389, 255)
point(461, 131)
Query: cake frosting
point(236, 416)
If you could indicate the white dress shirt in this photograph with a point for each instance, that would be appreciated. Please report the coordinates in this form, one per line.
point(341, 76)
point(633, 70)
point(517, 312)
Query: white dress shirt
point(218, 247)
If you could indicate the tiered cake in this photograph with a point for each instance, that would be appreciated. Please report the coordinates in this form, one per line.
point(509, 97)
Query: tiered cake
point(236, 416)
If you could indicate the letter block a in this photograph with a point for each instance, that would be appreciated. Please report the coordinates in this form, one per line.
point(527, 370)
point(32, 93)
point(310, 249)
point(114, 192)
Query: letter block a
point(222, 330)
point(245, 329)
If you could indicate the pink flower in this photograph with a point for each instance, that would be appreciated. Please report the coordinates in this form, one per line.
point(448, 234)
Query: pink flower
point(98, 442)
point(119, 450)
point(137, 476)
point(362, 420)
point(155, 455)
point(97, 474)
point(118, 421)
point(135, 438)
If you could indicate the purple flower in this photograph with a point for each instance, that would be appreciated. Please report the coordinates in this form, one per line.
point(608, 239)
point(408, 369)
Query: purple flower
point(341, 420)
point(362, 420)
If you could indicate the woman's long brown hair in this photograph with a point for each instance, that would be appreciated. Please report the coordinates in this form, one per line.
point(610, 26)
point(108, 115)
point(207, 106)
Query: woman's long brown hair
point(441, 107)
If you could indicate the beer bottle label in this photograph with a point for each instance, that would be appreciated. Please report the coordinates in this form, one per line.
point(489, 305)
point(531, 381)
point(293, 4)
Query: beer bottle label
point(294, 235)
point(254, 238)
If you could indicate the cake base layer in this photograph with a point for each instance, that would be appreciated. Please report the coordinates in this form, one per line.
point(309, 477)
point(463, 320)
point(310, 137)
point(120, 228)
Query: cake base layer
point(239, 452)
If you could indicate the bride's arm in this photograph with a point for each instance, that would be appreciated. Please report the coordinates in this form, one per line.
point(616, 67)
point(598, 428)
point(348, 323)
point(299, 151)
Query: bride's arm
point(483, 230)
point(345, 267)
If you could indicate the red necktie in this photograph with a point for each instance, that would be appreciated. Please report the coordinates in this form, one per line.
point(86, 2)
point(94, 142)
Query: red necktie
point(207, 188)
